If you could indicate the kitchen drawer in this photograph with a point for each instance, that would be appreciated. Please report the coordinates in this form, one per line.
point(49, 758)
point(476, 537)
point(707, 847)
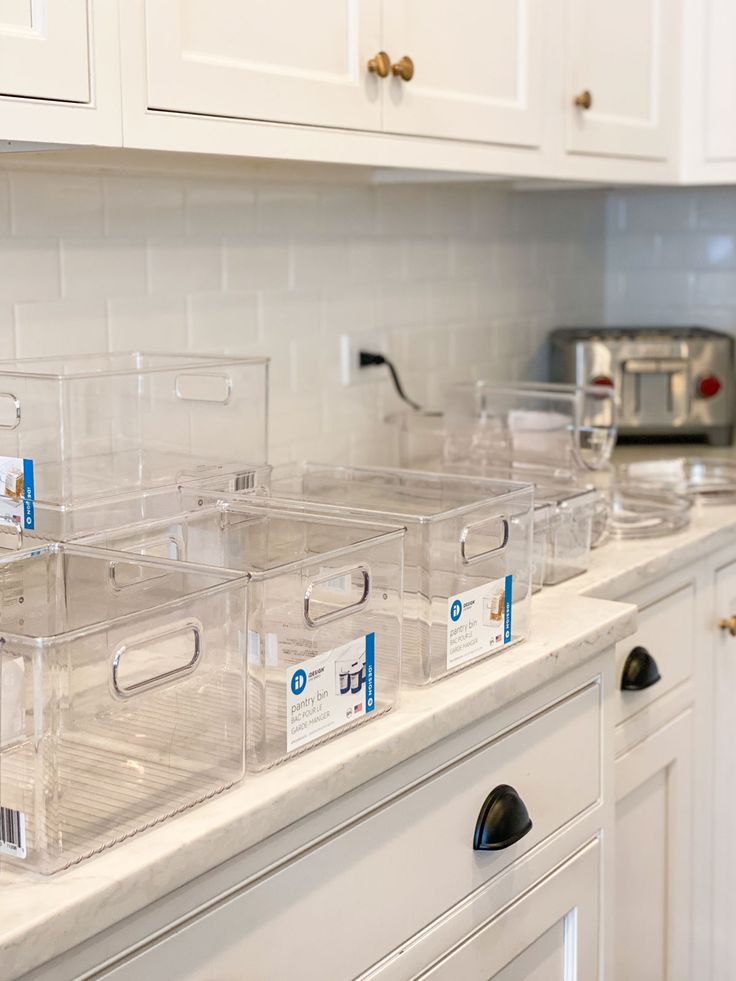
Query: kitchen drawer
point(344, 904)
point(666, 634)
point(550, 932)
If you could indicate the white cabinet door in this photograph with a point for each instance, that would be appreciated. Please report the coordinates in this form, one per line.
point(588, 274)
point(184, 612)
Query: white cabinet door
point(478, 69)
point(724, 784)
point(44, 50)
point(266, 59)
point(550, 934)
point(625, 56)
point(719, 94)
point(653, 856)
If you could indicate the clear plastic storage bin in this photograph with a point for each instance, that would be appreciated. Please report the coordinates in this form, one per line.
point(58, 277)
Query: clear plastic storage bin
point(325, 613)
point(69, 523)
point(544, 516)
point(467, 570)
point(569, 530)
point(569, 520)
point(551, 425)
point(122, 697)
point(103, 427)
point(420, 437)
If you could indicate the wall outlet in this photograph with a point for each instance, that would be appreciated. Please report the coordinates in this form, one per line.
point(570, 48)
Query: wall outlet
point(350, 347)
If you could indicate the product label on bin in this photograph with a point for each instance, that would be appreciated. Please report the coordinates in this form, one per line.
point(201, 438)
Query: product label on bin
point(478, 621)
point(17, 492)
point(330, 690)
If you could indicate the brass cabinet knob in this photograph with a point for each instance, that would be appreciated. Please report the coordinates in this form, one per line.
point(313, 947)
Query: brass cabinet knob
point(584, 100)
point(380, 64)
point(729, 624)
point(404, 69)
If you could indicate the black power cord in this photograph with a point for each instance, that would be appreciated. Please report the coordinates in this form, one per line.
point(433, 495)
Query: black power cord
point(368, 358)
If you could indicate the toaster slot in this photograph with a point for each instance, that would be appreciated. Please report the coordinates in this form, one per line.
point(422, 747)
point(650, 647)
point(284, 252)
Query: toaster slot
point(655, 390)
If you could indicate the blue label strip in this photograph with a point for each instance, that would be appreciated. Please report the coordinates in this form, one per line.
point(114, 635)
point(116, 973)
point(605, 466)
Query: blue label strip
point(370, 672)
point(507, 610)
point(29, 494)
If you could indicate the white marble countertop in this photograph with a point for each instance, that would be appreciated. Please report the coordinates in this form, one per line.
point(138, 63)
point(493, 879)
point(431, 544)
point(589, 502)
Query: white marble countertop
point(42, 917)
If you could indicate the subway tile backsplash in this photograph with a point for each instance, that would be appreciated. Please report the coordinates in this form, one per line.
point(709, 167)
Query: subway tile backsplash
point(671, 257)
point(462, 279)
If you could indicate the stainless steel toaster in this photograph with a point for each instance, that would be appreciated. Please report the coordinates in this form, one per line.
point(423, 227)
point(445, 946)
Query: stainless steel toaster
point(669, 381)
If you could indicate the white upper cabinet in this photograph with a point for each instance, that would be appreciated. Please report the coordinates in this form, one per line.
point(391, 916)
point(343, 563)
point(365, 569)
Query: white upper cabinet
point(622, 93)
point(718, 83)
point(60, 72)
point(478, 69)
point(44, 50)
point(709, 91)
point(719, 100)
point(266, 59)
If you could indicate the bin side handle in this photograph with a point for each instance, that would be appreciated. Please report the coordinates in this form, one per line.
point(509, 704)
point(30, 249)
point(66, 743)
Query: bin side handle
point(344, 611)
point(143, 642)
point(203, 387)
point(477, 526)
point(14, 410)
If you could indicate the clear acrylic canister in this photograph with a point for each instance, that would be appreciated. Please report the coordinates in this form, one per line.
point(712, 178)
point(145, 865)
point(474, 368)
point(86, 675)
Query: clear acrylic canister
point(568, 426)
point(467, 573)
point(324, 645)
point(122, 697)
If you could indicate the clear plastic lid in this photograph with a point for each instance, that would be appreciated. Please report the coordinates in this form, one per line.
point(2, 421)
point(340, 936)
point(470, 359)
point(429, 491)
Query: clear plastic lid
point(403, 496)
point(709, 480)
point(561, 425)
point(647, 514)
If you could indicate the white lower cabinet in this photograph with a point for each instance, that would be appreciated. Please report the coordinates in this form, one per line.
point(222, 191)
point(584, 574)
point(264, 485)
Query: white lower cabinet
point(723, 937)
point(550, 933)
point(654, 856)
point(375, 896)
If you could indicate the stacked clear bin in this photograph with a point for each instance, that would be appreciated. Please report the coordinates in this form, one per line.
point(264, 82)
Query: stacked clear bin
point(467, 564)
point(123, 697)
point(89, 436)
point(324, 640)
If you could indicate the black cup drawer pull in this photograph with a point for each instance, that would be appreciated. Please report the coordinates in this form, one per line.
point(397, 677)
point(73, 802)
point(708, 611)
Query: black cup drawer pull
point(640, 671)
point(503, 820)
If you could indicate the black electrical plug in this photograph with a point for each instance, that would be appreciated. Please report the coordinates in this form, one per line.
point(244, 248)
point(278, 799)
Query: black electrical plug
point(367, 359)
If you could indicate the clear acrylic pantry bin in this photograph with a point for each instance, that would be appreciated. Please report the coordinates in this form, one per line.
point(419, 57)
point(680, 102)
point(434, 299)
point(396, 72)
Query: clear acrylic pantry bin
point(420, 438)
point(565, 517)
point(568, 426)
point(100, 428)
point(570, 529)
point(77, 522)
point(467, 567)
point(324, 613)
point(122, 695)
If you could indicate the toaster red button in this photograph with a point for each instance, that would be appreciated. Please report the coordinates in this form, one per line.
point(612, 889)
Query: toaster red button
point(708, 386)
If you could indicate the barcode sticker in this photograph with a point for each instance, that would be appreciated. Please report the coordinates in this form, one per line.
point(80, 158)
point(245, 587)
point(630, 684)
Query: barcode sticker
point(12, 832)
